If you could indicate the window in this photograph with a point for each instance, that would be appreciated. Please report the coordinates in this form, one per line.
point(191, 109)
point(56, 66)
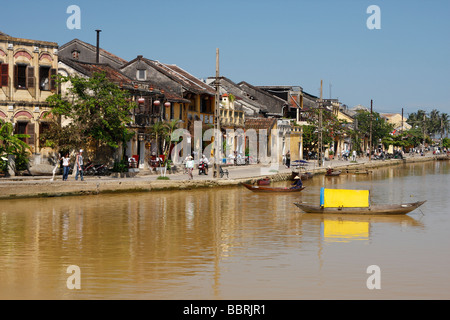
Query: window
point(141, 75)
point(25, 127)
point(75, 54)
point(44, 78)
point(4, 75)
point(21, 76)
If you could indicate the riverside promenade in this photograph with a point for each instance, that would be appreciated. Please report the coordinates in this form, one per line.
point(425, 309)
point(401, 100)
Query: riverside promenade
point(43, 186)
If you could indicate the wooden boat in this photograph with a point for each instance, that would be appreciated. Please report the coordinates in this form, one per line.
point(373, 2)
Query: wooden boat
point(386, 209)
point(271, 189)
point(306, 175)
point(332, 173)
point(302, 175)
point(357, 171)
point(263, 182)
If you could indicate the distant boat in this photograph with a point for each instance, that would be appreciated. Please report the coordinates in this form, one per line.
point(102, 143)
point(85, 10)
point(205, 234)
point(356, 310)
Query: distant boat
point(271, 189)
point(357, 171)
point(302, 175)
point(386, 209)
point(331, 172)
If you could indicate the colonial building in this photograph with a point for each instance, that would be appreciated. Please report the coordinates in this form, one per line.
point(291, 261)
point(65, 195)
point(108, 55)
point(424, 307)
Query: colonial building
point(188, 98)
point(398, 122)
point(27, 69)
point(142, 117)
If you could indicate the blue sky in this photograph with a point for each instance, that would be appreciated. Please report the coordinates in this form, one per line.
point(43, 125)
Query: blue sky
point(405, 64)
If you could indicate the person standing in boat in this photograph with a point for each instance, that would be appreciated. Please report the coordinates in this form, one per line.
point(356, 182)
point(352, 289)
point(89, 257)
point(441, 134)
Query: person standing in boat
point(297, 183)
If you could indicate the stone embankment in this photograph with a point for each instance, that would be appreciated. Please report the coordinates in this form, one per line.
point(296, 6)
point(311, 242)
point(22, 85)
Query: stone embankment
point(27, 187)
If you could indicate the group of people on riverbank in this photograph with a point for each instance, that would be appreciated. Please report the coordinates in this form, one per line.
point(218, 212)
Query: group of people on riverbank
point(65, 163)
point(190, 164)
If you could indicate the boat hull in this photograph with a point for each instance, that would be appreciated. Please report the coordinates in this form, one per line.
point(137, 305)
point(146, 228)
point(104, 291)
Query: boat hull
point(389, 209)
point(270, 189)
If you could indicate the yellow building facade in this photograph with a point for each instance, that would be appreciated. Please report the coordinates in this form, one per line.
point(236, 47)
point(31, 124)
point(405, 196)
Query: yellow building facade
point(27, 69)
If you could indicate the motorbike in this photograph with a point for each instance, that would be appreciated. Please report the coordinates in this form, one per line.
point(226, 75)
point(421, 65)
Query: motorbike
point(202, 168)
point(100, 169)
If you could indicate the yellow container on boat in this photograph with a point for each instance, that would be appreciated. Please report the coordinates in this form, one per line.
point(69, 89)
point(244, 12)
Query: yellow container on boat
point(334, 198)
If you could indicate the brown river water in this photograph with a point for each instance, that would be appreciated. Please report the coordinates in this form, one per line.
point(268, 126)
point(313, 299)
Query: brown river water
point(231, 243)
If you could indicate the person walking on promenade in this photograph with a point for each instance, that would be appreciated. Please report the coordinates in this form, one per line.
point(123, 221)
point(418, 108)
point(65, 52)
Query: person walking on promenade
point(190, 167)
point(79, 165)
point(65, 162)
point(288, 159)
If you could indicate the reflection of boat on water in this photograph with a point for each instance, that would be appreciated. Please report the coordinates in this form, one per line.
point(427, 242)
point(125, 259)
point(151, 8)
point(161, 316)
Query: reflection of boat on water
point(271, 189)
point(384, 209)
point(345, 228)
point(341, 201)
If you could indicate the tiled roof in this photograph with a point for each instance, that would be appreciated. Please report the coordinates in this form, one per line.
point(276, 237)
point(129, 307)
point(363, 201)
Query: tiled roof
point(89, 68)
point(93, 48)
point(182, 77)
point(259, 123)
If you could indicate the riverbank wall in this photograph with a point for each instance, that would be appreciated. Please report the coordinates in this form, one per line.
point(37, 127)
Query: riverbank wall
point(43, 187)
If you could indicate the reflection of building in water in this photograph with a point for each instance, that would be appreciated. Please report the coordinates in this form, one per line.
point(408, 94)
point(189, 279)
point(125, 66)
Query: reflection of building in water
point(345, 231)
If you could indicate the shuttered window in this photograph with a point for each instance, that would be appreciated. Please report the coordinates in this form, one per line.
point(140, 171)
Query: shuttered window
point(20, 76)
point(25, 127)
point(31, 133)
point(30, 78)
point(4, 75)
point(24, 77)
point(53, 80)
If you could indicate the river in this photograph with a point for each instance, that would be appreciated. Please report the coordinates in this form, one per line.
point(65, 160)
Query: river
point(231, 243)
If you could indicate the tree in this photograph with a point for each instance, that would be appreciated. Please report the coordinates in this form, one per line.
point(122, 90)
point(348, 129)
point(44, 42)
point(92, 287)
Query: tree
point(161, 132)
point(11, 144)
point(380, 127)
point(332, 128)
point(98, 112)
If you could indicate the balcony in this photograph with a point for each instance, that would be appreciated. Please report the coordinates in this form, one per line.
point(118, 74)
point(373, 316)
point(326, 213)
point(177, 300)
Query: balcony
point(206, 118)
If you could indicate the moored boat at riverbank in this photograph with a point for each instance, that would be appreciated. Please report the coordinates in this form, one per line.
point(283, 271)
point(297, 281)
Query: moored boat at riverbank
point(271, 189)
point(386, 209)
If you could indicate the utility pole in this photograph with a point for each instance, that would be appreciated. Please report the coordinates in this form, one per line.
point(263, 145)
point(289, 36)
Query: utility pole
point(320, 126)
point(218, 134)
point(424, 130)
point(370, 131)
point(402, 123)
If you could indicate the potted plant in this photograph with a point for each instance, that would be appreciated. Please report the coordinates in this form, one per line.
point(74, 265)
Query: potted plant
point(330, 154)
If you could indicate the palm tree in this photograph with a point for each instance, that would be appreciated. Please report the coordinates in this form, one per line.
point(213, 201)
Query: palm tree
point(156, 131)
point(445, 124)
point(170, 127)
